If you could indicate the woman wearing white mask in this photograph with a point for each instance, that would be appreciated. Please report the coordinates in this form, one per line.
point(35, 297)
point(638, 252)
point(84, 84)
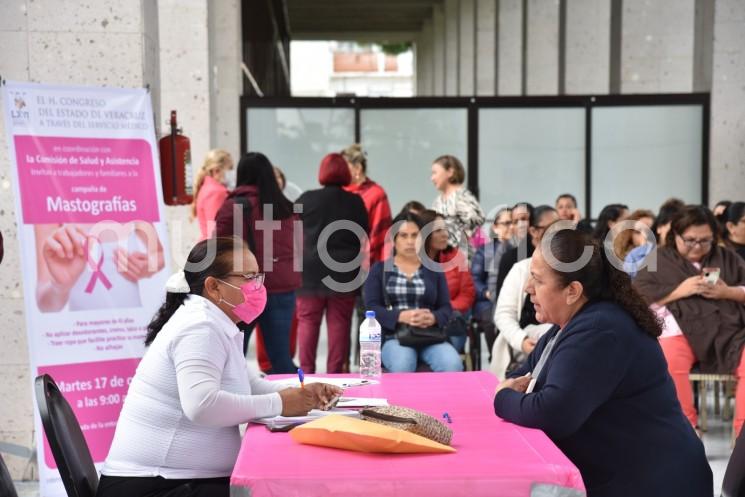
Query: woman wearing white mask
point(178, 430)
point(211, 189)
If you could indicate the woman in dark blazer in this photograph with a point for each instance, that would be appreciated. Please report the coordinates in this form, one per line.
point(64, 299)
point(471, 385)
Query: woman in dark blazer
point(329, 286)
point(402, 290)
point(597, 383)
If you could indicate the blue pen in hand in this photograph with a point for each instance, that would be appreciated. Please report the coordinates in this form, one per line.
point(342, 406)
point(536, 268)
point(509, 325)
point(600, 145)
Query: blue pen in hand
point(301, 377)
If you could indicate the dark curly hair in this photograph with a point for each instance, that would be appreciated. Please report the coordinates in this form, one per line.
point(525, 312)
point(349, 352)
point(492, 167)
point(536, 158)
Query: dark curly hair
point(599, 278)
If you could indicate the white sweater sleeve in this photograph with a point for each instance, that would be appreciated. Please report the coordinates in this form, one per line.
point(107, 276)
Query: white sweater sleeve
point(260, 385)
point(198, 361)
point(506, 315)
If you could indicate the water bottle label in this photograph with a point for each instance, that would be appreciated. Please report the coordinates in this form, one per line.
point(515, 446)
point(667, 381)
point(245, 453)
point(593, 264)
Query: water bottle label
point(370, 332)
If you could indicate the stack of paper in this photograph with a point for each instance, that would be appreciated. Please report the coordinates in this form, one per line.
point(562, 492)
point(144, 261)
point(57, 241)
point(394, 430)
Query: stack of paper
point(282, 421)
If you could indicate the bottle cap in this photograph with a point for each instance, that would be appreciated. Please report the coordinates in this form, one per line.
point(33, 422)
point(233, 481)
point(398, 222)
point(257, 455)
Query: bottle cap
point(370, 314)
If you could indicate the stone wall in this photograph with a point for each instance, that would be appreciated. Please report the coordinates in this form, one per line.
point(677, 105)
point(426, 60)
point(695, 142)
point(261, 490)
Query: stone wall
point(77, 42)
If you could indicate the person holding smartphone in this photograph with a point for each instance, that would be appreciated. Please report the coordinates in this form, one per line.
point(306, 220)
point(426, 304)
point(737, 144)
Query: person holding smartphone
point(698, 290)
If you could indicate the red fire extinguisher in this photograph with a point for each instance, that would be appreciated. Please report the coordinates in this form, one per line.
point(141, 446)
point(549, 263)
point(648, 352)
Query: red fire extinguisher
point(175, 166)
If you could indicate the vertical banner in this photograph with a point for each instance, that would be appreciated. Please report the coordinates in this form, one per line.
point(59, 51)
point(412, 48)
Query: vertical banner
point(93, 244)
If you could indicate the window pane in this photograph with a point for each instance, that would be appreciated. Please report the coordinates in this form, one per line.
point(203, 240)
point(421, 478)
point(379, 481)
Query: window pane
point(530, 155)
point(643, 155)
point(401, 145)
point(296, 139)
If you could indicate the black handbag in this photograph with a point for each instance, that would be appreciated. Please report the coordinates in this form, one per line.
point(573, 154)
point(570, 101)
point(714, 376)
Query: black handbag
point(457, 326)
point(411, 336)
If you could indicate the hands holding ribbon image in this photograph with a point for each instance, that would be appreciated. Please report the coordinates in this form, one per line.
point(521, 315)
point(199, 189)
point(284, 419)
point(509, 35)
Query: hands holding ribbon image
point(87, 267)
point(63, 251)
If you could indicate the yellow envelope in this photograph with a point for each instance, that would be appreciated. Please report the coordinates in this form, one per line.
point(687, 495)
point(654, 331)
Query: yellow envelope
point(344, 432)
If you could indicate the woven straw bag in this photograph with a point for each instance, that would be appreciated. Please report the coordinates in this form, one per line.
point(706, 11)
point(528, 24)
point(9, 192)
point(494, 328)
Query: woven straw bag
point(409, 420)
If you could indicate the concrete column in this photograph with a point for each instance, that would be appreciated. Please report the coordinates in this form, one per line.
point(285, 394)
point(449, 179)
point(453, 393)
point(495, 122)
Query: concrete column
point(703, 45)
point(425, 60)
point(486, 47)
point(419, 63)
point(225, 78)
point(106, 43)
point(510, 47)
point(467, 48)
point(616, 42)
point(185, 87)
point(657, 54)
point(452, 40)
point(185, 70)
point(587, 47)
point(542, 64)
point(727, 165)
point(438, 21)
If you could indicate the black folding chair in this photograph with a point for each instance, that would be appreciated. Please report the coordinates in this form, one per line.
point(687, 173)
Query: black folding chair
point(6, 483)
point(733, 484)
point(66, 440)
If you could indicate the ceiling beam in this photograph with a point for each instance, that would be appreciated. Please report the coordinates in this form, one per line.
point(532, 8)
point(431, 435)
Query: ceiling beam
point(350, 19)
point(362, 4)
point(358, 36)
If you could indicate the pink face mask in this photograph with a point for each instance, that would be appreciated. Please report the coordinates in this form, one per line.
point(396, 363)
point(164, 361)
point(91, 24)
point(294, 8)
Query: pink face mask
point(254, 301)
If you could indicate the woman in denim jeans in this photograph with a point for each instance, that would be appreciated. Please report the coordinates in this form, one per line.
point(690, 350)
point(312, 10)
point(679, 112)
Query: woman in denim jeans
point(402, 290)
point(256, 195)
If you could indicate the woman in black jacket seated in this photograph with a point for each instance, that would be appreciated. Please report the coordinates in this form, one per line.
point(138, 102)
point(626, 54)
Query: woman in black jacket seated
point(597, 383)
point(405, 292)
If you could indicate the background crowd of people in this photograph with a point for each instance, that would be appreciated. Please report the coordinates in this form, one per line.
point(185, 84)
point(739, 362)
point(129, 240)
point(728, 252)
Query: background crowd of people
point(447, 267)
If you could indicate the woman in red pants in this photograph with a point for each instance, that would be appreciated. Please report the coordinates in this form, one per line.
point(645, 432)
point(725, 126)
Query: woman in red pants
point(335, 230)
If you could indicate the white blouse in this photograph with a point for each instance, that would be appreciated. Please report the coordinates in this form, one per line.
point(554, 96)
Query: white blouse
point(190, 392)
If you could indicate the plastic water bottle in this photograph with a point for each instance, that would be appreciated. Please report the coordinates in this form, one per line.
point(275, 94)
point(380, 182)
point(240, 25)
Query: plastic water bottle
point(370, 336)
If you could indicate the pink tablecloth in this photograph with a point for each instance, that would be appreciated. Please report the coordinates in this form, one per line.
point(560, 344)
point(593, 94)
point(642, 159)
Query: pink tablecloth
point(493, 458)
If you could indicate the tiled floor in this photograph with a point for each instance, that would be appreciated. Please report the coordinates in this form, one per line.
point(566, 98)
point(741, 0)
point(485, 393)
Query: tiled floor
point(718, 443)
point(717, 439)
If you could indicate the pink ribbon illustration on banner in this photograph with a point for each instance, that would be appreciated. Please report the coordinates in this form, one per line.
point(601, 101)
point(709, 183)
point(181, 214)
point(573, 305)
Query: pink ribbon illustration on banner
point(94, 251)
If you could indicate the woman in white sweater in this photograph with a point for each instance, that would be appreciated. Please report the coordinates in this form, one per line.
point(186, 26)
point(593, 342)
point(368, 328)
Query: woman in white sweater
point(514, 316)
point(178, 433)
